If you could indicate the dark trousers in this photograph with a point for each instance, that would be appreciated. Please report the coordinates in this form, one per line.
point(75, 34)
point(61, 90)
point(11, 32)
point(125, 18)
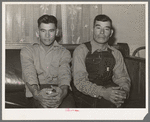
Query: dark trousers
point(86, 101)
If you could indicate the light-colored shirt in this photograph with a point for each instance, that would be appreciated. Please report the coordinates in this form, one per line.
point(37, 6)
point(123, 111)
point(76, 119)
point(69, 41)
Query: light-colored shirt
point(41, 67)
point(80, 75)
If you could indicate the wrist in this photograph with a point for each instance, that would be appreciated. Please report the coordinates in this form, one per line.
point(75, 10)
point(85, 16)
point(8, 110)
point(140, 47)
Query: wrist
point(64, 89)
point(36, 94)
point(126, 91)
point(101, 91)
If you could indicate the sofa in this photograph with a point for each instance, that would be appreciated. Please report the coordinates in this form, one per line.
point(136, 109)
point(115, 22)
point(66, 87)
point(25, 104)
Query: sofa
point(15, 88)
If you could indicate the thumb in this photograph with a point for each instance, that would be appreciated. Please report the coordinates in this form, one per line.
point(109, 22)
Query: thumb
point(116, 88)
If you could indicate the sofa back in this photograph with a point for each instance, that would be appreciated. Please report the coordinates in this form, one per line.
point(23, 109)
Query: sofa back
point(13, 56)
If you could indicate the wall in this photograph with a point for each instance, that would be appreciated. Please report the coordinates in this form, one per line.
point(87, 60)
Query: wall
point(76, 22)
point(129, 23)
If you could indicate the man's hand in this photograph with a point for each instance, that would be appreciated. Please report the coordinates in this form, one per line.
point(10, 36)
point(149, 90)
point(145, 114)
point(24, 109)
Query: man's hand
point(52, 100)
point(62, 92)
point(115, 95)
point(44, 98)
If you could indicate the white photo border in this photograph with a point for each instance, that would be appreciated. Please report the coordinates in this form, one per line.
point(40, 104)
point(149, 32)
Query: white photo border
point(72, 114)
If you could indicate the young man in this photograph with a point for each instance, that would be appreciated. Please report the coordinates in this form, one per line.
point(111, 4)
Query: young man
point(45, 64)
point(100, 78)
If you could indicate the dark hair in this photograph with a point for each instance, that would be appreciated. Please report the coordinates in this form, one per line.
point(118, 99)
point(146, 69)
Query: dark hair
point(47, 19)
point(102, 18)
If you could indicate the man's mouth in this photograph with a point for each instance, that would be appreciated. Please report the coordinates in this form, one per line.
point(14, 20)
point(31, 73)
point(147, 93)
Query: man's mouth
point(47, 39)
point(101, 37)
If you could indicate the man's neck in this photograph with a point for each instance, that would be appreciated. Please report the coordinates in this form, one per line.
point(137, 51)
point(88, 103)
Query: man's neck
point(99, 46)
point(46, 48)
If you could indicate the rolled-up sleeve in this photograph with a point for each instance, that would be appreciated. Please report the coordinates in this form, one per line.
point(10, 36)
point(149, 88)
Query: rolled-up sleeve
point(64, 73)
point(120, 74)
point(28, 69)
point(80, 75)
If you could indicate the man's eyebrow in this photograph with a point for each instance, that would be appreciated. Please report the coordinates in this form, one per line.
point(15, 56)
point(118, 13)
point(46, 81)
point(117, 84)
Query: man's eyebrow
point(45, 29)
point(42, 29)
point(108, 27)
point(97, 25)
point(100, 25)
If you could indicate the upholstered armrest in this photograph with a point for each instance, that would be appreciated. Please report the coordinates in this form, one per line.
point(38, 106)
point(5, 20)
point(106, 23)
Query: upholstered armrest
point(13, 80)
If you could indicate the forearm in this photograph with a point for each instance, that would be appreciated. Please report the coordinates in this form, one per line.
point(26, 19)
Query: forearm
point(83, 84)
point(64, 89)
point(34, 89)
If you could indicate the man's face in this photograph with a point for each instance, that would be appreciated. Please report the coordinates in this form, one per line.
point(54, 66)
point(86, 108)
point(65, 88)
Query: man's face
point(102, 32)
point(47, 33)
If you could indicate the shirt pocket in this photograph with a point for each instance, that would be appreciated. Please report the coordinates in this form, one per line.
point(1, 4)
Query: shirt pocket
point(54, 69)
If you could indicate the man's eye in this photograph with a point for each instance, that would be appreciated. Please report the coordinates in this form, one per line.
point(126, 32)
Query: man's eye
point(51, 30)
point(42, 30)
point(107, 29)
point(98, 28)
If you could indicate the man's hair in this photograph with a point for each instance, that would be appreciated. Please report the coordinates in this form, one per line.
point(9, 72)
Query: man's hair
point(47, 19)
point(102, 18)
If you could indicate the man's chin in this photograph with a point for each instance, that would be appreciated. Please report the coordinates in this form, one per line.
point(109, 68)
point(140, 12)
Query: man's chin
point(101, 41)
point(48, 42)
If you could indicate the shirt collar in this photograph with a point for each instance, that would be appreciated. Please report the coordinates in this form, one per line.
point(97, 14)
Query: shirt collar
point(54, 46)
point(96, 47)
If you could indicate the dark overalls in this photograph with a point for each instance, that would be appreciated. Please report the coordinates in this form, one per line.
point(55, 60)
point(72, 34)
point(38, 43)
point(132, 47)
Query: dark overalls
point(99, 66)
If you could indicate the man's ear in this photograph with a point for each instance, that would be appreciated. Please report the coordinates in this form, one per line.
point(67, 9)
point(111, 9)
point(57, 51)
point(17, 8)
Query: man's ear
point(57, 32)
point(112, 31)
point(37, 33)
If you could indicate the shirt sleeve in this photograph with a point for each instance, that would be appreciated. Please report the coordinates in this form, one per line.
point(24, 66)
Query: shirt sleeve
point(28, 69)
point(120, 74)
point(80, 75)
point(64, 73)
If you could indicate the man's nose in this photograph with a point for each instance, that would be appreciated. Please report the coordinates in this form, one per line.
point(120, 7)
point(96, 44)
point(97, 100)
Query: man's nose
point(47, 34)
point(102, 30)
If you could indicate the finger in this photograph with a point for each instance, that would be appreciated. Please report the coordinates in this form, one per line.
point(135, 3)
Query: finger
point(45, 105)
point(120, 93)
point(53, 105)
point(52, 94)
point(116, 97)
point(47, 97)
point(116, 88)
point(120, 96)
point(52, 98)
point(113, 101)
point(118, 105)
point(119, 102)
point(50, 101)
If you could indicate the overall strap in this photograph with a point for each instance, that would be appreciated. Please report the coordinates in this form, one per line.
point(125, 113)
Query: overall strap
point(88, 45)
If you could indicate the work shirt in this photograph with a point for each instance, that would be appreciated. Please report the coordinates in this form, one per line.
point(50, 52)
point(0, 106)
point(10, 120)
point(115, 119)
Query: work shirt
point(80, 75)
point(41, 67)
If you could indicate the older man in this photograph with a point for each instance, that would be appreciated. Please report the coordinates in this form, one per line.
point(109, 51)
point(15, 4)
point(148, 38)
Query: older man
point(100, 78)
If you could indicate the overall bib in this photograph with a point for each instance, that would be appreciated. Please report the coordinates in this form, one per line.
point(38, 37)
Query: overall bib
point(99, 66)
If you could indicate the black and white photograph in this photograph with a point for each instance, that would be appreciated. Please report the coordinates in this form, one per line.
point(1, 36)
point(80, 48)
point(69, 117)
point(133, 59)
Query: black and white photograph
point(74, 60)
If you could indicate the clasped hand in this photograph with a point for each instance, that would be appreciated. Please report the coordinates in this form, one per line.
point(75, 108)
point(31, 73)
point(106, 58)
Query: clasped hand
point(115, 94)
point(52, 100)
